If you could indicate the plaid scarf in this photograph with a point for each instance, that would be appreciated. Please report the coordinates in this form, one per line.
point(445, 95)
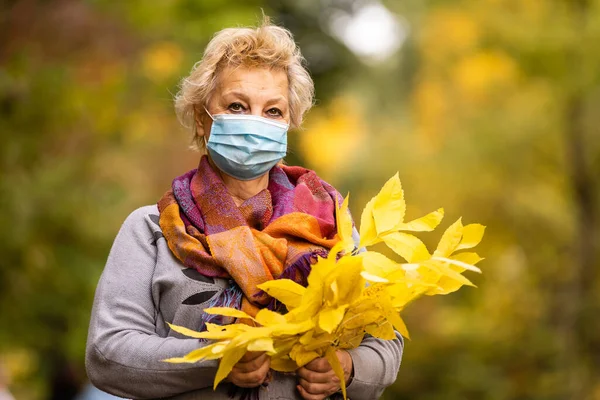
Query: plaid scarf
point(276, 234)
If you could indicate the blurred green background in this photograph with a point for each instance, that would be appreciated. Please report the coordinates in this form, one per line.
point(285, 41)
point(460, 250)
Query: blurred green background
point(488, 108)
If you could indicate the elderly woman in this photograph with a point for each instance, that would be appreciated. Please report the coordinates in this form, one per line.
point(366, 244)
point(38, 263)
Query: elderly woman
point(241, 218)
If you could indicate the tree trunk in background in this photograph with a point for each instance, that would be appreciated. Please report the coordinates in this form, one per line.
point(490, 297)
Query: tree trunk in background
point(581, 345)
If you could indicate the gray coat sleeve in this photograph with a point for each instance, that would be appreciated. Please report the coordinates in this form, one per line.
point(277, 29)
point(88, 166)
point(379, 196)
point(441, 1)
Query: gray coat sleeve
point(123, 351)
point(376, 364)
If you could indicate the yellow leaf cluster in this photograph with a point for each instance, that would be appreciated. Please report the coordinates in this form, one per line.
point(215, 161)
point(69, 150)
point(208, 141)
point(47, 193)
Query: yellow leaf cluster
point(349, 293)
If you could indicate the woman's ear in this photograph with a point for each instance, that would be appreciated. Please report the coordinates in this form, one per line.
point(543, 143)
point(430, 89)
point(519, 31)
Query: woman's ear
point(198, 125)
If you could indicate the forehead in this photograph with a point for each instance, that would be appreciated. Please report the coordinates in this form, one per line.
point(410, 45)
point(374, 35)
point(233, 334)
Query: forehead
point(253, 81)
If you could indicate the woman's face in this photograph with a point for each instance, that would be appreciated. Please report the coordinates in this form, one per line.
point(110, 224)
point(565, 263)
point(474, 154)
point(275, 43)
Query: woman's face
point(256, 91)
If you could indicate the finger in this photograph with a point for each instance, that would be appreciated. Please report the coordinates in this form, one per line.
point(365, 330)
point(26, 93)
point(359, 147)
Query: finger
point(307, 396)
point(256, 376)
point(253, 364)
point(318, 388)
point(319, 365)
point(250, 379)
point(316, 377)
point(251, 355)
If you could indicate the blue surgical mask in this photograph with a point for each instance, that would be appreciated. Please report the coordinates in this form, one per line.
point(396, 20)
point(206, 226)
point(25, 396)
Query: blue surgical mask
point(246, 146)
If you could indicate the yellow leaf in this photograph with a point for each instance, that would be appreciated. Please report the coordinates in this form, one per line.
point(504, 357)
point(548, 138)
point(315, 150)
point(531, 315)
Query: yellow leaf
point(368, 233)
point(402, 294)
point(219, 335)
point(218, 348)
point(350, 339)
point(266, 317)
point(349, 282)
point(242, 339)
point(285, 290)
point(443, 268)
point(445, 286)
point(284, 346)
point(292, 328)
point(423, 224)
point(230, 358)
point(450, 240)
point(213, 327)
point(283, 364)
point(320, 341)
point(331, 356)
point(389, 206)
point(447, 279)
point(383, 331)
point(394, 318)
point(194, 356)
point(407, 246)
point(320, 270)
point(373, 278)
point(401, 327)
point(467, 257)
point(302, 356)
point(333, 294)
point(308, 309)
point(471, 236)
point(218, 332)
point(389, 312)
point(227, 312)
point(262, 344)
point(457, 263)
point(231, 327)
point(307, 337)
point(359, 319)
point(185, 331)
point(376, 264)
point(329, 319)
point(344, 228)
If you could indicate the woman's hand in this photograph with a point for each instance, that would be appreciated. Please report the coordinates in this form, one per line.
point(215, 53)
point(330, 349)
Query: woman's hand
point(317, 379)
point(251, 371)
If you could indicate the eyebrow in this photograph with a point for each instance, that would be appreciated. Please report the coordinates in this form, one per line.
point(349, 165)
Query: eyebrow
point(243, 96)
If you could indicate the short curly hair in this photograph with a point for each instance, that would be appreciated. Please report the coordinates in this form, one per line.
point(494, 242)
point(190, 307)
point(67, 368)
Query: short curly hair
point(267, 46)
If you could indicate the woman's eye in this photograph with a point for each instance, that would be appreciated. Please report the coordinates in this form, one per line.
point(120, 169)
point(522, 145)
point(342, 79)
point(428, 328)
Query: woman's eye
point(274, 112)
point(236, 107)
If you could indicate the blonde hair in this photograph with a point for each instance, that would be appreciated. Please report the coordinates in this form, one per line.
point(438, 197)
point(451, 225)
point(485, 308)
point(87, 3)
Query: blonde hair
point(267, 46)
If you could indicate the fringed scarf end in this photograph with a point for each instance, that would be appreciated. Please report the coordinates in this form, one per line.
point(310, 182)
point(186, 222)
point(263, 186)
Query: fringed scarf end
point(298, 272)
point(230, 297)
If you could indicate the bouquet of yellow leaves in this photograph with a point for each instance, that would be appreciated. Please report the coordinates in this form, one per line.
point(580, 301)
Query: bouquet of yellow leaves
point(349, 293)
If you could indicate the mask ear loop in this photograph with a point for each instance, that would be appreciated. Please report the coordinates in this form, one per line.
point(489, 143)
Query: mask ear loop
point(204, 136)
point(209, 114)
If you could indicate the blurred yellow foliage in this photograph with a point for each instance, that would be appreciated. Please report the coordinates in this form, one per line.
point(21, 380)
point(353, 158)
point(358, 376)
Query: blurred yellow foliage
point(448, 32)
point(530, 9)
point(161, 60)
point(18, 363)
point(479, 75)
point(430, 108)
point(332, 134)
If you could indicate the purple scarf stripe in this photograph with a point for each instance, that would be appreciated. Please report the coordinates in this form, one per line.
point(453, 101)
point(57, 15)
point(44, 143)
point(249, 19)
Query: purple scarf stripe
point(187, 205)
